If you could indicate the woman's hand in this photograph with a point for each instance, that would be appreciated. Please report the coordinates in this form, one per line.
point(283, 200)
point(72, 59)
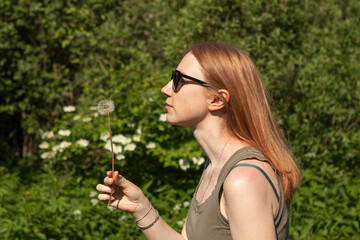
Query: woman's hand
point(126, 195)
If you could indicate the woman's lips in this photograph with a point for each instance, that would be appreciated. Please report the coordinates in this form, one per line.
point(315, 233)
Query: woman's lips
point(167, 106)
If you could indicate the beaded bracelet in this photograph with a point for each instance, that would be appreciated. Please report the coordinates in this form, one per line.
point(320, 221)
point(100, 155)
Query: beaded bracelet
point(145, 214)
point(151, 224)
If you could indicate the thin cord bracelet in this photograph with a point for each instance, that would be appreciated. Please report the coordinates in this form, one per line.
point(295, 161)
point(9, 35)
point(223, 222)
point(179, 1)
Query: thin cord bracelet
point(145, 214)
point(151, 224)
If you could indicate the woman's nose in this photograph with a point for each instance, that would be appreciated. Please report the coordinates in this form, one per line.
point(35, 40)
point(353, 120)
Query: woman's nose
point(167, 89)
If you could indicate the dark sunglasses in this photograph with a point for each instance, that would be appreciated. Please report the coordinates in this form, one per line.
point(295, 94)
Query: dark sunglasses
point(177, 77)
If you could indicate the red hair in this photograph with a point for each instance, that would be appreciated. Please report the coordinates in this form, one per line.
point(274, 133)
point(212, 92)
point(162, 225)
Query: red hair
point(248, 114)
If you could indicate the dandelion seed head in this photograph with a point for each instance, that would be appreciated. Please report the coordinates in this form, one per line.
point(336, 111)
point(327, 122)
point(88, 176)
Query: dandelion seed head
point(104, 107)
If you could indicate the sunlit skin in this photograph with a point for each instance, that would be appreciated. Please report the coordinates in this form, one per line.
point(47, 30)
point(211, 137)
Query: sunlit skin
point(187, 107)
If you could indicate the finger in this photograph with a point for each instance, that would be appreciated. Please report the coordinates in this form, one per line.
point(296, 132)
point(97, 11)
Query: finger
point(117, 177)
point(109, 174)
point(103, 189)
point(108, 181)
point(105, 197)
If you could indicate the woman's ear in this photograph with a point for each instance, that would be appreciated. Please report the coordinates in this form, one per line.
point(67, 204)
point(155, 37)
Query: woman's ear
point(219, 102)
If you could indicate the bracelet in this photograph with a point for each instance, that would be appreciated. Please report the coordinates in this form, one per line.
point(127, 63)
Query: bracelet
point(151, 224)
point(145, 214)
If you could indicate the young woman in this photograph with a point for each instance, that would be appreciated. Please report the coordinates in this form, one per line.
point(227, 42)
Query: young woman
point(250, 176)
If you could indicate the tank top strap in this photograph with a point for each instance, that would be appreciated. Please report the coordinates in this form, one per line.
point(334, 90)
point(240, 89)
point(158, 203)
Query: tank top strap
point(241, 154)
point(262, 171)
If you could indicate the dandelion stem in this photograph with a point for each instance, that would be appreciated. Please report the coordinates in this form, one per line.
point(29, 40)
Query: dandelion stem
point(112, 159)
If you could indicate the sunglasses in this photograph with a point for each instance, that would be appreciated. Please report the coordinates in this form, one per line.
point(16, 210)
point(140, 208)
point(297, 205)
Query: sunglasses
point(178, 81)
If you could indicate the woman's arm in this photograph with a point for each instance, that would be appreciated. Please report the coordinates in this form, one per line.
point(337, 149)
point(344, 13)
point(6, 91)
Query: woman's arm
point(128, 197)
point(248, 201)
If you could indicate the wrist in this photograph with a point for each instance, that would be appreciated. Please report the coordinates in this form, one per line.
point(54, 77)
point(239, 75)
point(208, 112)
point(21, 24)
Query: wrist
point(141, 210)
point(149, 224)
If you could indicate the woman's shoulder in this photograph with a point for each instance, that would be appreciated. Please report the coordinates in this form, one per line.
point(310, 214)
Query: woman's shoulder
point(247, 176)
point(252, 182)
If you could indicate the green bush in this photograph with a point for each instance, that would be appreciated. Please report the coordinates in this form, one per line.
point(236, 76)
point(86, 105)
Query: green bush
point(56, 55)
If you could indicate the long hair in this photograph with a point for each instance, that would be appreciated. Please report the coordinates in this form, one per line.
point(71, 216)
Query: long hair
point(248, 115)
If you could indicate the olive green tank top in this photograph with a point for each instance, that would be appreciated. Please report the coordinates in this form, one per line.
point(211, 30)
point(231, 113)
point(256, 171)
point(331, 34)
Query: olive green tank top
point(205, 221)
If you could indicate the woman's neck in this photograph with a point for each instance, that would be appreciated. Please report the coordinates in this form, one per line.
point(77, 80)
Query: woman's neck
point(217, 143)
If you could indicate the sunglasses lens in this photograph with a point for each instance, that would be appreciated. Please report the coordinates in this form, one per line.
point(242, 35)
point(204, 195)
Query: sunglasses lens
point(176, 78)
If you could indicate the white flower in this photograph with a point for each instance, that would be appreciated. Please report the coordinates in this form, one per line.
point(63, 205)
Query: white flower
point(44, 145)
point(150, 145)
point(76, 117)
point(136, 138)
point(111, 208)
point(108, 146)
point(82, 142)
point(92, 108)
point(57, 148)
point(119, 138)
point(184, 164)
point(64, 132)
point(65, 144)
point(130, 147)
point(69, 109)
point(117, 149)
point(77, 212)
point(105, 107)
point(162, 117)
point(105, 136)
point(198, 160)
point(177, 207)
point(138, 131)
point(48, 134)
point(94, 201)
point(120, 157)
point(46, 155)
point(310, 154)
point(131, 125)
point(96, 114)
point(64, 158)
point(186, 204)
point(181, 223)
point(93, 194)
point(86, 119)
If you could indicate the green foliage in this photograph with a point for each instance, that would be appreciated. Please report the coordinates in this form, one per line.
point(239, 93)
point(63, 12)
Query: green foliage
point(327, 204)
point(74, 53)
